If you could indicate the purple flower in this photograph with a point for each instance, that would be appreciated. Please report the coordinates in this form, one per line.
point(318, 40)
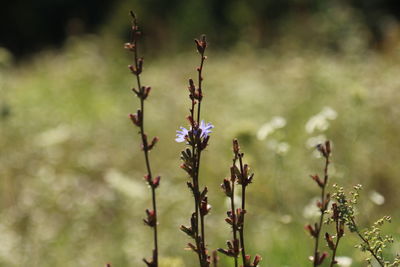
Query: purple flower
point(205, 129)
point(183, 132)
point(181, 135)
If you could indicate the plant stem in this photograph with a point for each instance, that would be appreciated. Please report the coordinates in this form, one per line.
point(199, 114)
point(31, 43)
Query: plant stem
point(241, 230)
point(200, 77)
point(323, 209)
point(234, 226)
point(333, 261)
point(199, 232)
point(370, 250)
point(146, 152)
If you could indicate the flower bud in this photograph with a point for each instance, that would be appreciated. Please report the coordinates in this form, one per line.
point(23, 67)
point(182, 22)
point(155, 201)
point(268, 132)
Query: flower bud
point(156, 181)
point(257, 260)
point(328, 147)
point(329, 240)
point(135, 119)
point(226, 187)
point(236, 146)
point(187, 230)
point(145, 92)
point(153, 143)
point(130, 46)
point(204, 207)
point(322, 258)
point(317, 180)
point(151, 218)
point(311, 230)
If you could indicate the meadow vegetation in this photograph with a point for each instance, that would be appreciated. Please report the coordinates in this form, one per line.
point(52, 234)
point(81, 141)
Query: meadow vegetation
point(72, 190)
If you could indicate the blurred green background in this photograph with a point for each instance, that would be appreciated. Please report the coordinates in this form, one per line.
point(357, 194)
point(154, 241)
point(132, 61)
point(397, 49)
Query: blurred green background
point(281, 76)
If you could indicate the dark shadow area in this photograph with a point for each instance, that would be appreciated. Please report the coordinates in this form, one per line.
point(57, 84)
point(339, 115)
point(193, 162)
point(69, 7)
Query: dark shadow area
point(30, 26)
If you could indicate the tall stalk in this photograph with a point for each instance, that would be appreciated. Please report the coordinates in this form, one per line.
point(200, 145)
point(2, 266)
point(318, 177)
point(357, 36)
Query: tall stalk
point(322, 204)
point(196, 137)
point(236, 217)
point(138, 119)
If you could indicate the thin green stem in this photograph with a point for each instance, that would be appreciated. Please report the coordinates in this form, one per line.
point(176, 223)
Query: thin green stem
point(370, 250)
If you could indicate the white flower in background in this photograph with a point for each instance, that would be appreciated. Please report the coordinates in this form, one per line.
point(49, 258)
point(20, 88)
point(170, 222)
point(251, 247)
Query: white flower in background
point(311, 210)
point(312, 142)
point(280, 148)
point(344, 261)
point(286, 219)
point(54, 136)
point(320, 121)
point(270, 127)
point(125, 185)
point(329, 113)
point(376, 198)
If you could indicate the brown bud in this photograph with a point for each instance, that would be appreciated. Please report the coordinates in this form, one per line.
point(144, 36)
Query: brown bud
point(149, 262)
point(130, 46)
point(147, 178)
point(133, 69)
point(192, 87)
point(311, 230)
point(203, 193)
point(240, 217)
point(329, 240)
point(191, 121)
point(257, 260)
point(215, 258)
point(250, 178)
point(187, 230)
point(192, 247)
point(229, 221)
point(199, 46)
point(236, 146)
point(226, 187)
point(328, 147)
point(156, 181)
point(136, 92)
point(321, 148)
point(139, 66)
point(322, 258)
point(204, 207)
point(133, 16)
point(153, 143)
point(187, 168)
point(151, 218)
point(145, 92)
point(247, 260)
point(135, 119)
point(318, 180)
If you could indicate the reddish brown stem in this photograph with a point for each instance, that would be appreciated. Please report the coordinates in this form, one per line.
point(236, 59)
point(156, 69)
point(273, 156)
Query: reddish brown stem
point(144, 142)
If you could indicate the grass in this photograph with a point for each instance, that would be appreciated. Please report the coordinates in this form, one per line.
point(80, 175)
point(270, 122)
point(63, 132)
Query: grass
point(72, 189)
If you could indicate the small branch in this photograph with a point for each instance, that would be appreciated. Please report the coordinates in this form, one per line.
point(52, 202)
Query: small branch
point(369, 248)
